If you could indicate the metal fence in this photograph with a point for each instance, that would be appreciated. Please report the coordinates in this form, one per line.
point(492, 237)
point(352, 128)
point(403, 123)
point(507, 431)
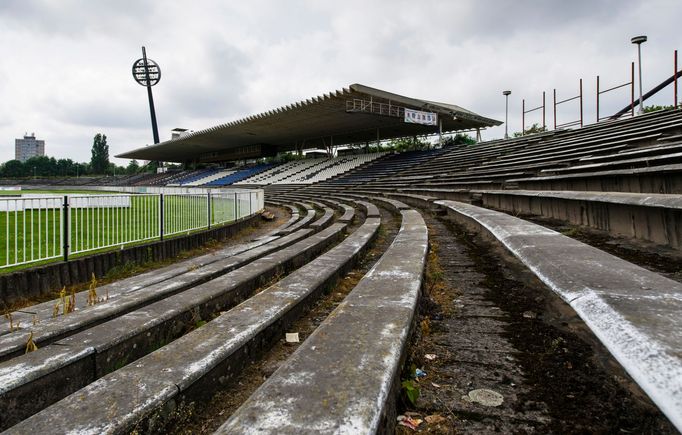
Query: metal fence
point(44, 227)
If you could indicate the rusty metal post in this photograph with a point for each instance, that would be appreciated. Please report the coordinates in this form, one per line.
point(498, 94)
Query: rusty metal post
point(544, 124)
point(597, 98)
point(632, 89)
point(581, 102)
point(675, 102)
point(554, 108)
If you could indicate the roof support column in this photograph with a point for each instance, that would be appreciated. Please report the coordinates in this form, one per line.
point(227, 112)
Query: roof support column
point(378, 141)
point(440, 132)
point(478, 135)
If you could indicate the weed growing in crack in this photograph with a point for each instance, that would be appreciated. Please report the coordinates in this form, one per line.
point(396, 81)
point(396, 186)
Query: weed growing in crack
point(409, 388)
point(92, 291)
point(30, 344)
point(12, 326)
point(71, 303)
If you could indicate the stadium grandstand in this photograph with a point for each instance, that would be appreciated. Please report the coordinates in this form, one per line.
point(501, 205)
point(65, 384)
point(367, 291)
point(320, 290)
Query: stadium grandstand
point(519, 285)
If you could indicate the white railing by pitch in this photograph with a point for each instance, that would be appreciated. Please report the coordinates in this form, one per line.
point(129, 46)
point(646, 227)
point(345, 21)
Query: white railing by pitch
point(33, 229)
point(46, 227)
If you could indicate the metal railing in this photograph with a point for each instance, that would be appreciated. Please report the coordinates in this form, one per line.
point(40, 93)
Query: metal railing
point(578, 97)
point(524, 112)
point(33, 229)
point(631, 84)
point(369, 106)
point(47, 227)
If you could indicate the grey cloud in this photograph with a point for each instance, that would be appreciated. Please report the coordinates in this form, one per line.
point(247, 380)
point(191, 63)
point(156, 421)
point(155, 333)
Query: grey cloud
point(66, 64)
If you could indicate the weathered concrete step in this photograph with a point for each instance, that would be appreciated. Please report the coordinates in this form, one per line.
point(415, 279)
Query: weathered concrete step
point(51, 373)
point(635, 313)
point(295, 215)
point(325, 219)
point(51, 329)
point(344, 377)
point(40, 312)
point(376, 196)
point(194, 365)
point(371, 210)
point(328, 213)
point(310, 215)
point(348, 211)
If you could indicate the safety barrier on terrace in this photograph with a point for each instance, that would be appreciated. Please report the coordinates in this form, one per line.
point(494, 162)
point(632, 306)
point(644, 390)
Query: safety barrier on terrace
point(38, 228)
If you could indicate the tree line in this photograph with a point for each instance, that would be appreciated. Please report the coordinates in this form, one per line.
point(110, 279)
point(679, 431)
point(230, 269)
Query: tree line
point(43, 166)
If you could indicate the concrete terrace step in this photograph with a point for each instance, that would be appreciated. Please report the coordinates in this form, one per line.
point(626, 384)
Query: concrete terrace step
point(634, 312)
point(671, 201)
point(51, 329)
point(344, 377)
point(665, 168)
point(197, 363)
point(310, 215)
point(655, 218)
point(94, 352)
point(44, 310)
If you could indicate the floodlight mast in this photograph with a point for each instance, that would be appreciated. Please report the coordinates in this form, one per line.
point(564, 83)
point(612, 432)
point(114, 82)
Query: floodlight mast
point(639, 40)
point(506, 112)
point(147, 73)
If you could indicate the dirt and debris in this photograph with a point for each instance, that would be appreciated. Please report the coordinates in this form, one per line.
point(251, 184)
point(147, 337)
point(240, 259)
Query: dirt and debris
point(504, 343)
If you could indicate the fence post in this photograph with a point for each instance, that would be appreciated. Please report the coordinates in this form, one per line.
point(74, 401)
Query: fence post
point(581, 102)
point(208, 209)
point(67, 234)
point(632, 90)
point(544, 124)
point(236, 204)
point(161, 216)
point(554, 108)
point(597, 98)
point(675, 102)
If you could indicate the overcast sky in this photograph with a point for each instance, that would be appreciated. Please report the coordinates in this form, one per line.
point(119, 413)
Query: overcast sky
point(65, 68)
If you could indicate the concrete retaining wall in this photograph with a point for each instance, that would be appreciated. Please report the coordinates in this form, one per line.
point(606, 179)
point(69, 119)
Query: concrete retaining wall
point(659, 225)
point(639, 183)
point(42, 280)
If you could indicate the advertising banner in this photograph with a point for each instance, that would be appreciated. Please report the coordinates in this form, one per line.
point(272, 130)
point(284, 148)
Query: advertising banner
point(419, 117)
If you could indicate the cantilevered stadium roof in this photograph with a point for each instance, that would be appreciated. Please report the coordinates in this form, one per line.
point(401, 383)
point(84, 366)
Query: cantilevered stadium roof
point(356, 114)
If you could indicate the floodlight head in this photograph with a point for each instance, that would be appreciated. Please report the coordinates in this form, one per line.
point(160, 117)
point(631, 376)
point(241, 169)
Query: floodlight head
point(146, 72)
point(505, 93)
point(638, 39)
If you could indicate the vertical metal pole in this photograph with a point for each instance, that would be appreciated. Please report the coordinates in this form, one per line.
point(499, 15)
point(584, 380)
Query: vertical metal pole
point(506, 116)
point(581, 102)
point(554, 108)
point(523, 117)
point(675, 102)
point(208, 209)
point(597, 98)
point(67, 235)
point(155, 129)
point(632, 89)
point(544, 124)
point(440, 130)
point(161, 216)
point(639, 66)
